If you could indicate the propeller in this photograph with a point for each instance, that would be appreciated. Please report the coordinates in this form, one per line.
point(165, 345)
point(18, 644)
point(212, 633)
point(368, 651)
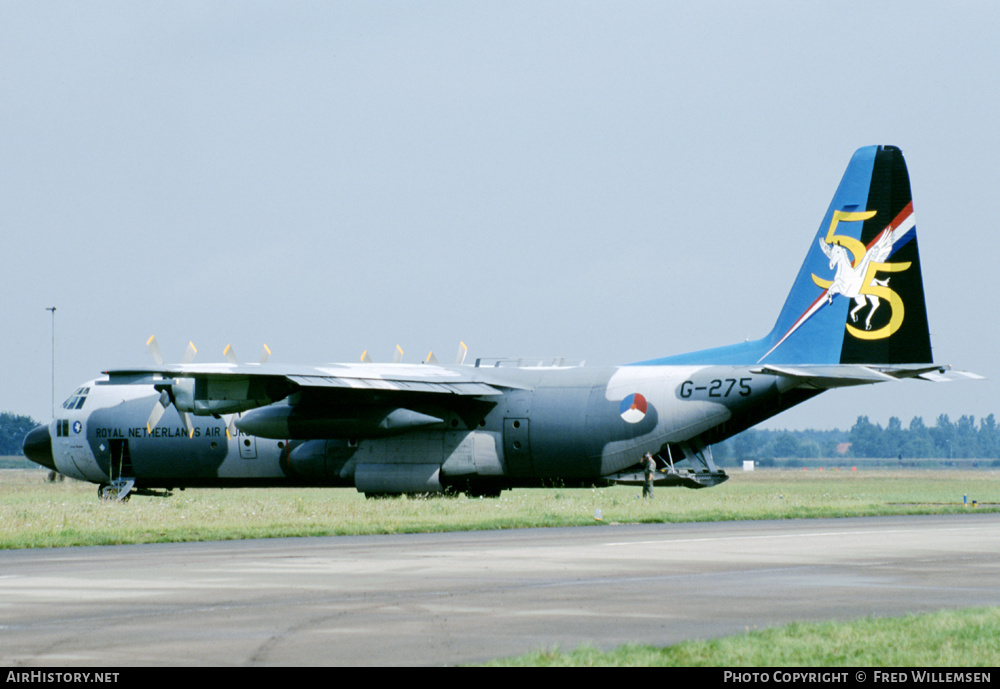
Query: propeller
point(168, 396)
point(230, 354)
point(165, 400)
point(463, 351)
point(154, 349)
point(367, 359)
point(166, 389)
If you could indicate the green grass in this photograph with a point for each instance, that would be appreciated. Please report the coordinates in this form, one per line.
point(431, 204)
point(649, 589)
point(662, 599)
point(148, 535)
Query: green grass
point(952, 638)
point(35, 514)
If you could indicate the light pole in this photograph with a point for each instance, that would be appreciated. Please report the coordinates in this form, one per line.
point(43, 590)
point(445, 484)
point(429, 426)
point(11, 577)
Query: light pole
point(53, 310)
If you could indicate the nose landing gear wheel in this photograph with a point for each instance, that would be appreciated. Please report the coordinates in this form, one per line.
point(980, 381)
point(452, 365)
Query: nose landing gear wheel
point(119, 490)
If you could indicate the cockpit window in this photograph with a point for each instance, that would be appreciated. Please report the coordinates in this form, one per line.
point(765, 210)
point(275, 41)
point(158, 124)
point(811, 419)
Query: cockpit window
point(77, 399)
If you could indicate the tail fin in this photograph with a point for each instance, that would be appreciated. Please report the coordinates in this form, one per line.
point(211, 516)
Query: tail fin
point(859, 296)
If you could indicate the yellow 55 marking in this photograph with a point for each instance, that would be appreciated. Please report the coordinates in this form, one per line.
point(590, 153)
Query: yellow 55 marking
point(868, 284)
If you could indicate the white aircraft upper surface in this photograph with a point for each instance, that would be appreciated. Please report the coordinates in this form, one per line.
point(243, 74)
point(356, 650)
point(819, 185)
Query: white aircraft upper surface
point(855, 315)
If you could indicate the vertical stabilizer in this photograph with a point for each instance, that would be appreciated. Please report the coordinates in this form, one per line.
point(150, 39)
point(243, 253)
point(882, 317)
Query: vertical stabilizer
point(859, 296)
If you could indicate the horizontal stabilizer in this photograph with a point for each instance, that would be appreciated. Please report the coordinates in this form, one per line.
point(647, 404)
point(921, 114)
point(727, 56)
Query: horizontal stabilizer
point(948, 375)
point(826, 377)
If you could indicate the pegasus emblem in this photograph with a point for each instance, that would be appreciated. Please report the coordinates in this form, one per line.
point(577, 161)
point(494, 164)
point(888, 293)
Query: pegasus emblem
point(856, 266)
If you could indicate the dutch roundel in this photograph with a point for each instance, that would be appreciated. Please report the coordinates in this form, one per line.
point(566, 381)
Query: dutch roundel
point(633, 408)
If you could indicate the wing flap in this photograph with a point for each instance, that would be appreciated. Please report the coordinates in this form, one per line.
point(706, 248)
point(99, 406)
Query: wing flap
point(464, 388)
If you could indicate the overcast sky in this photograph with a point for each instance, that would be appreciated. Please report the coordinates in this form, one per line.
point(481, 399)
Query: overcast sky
point(608, 181)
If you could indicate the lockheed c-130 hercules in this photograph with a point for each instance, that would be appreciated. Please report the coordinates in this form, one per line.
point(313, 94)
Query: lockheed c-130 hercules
point(855, 315)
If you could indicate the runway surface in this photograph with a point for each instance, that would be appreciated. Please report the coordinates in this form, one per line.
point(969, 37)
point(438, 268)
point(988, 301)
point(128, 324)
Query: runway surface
point(436, 599)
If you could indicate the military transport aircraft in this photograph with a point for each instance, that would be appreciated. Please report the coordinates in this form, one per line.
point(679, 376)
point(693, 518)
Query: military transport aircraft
point(855, 315)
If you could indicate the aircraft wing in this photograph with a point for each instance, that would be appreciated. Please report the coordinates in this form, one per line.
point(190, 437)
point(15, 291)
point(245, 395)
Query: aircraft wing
point(230, 388)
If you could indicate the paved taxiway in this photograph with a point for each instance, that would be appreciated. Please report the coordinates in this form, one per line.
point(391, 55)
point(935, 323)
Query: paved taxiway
point(464, 597)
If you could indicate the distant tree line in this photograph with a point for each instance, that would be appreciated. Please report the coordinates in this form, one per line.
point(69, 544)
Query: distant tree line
point(13, 428)
point(963, 439)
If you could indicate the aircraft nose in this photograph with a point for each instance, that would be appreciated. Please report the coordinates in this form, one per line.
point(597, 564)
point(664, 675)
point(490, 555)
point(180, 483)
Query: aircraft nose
point(38, 447)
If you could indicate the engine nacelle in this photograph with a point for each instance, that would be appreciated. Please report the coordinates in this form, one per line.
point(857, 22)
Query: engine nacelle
point(285, 421)
point(398, 478)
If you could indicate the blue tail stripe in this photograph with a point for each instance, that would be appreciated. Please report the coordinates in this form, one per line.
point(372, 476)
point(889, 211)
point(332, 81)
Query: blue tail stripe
point(813, 332)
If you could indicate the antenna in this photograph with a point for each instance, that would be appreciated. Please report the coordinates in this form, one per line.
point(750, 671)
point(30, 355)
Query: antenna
point(53, 310)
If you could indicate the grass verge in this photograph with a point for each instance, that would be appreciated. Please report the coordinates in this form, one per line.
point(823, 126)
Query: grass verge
point(953, 638)
point(36, 514)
